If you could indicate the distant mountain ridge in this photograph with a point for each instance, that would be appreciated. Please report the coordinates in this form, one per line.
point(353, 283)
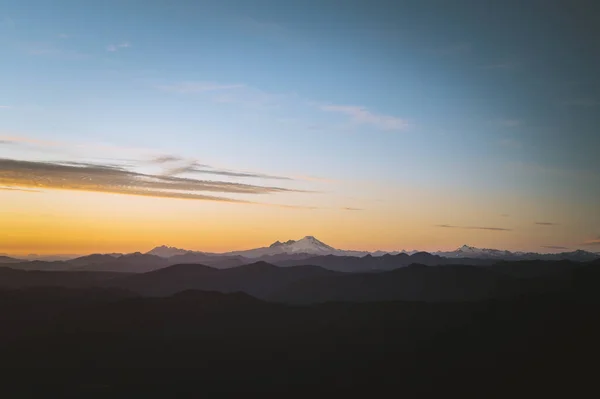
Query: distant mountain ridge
point(305, 251)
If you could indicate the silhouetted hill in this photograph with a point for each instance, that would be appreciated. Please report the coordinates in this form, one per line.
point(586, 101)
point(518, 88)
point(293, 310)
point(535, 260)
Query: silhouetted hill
point(42, 265)
point(379, 263)
point(258, 279)
point(8, 259)
point(219, 262)
point(89, 260)
point(130, 263)
point(200, 342)
point(14, 278)
point(411, 283)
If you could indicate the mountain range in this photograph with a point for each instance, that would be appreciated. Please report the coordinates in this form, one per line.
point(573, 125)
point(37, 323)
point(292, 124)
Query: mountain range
point(306, 251)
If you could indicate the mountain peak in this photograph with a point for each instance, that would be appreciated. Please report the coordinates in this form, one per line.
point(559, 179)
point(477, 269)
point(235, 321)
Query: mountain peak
point(165, 251)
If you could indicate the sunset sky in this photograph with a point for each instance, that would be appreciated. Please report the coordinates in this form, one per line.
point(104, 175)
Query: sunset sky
point(226, 125)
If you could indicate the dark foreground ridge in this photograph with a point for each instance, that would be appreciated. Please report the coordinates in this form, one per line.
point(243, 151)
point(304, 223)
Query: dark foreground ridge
point(313, 284)
point(206, 342)
point(112, 341)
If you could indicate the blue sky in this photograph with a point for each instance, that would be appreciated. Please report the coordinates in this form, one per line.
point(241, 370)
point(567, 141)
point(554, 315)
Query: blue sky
point(386, 97)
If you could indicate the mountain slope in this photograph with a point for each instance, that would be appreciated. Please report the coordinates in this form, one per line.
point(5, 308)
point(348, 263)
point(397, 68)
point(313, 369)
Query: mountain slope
point(8, 259)
point(258, 279)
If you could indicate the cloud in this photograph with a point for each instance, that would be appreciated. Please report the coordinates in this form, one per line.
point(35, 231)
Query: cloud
point(63, 36)
point(166, 159)
point(582, 102)
point(510, 143)
point(117, 47)
point(112, 179)
point(317, 179)
point(362, 115)
point(5, 107)
point(205, 169)
point(199, 87)
point(553, 247)
point(506, 65)
point(595, 241)
point(546, 224)
point(505, 215)
point(347, 208)
point(472, 227)
point(19, 189)
point(7, 22)
point(452, 49)
point(510, 122)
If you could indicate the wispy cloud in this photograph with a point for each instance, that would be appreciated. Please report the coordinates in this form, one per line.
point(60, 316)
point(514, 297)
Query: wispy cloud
point(199, 87)
point(63, 36)
point(582, 102)
point(546, 224)
point(502, 65)
point(510, 122)
point(510, 143)
point(18, 189)
point(348, 208)
point(452, 49)
point(316, 179)
point(553, 247)
point(7, 22)
point(51, 49)
point(161, 159)
point(117, 47)
point(449, 226)
point(5, 107)
point(362, 115)
point(595, 241)
point(110, 179)
point(196, 168)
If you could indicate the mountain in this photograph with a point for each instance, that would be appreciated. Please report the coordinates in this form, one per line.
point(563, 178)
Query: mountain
point(94, 259)
point(216, 261)
point(164, 251)
point(486, 253)
point(306, 245)
point(379, 263)
point(8, 259)
point(130, 263)
point(19, 279)
point(259, 279)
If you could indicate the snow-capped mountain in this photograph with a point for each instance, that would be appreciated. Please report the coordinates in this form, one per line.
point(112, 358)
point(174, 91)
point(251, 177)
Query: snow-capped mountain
point(471, 252)
point(164, 251)
point(486, 253)
point(306, 245)
point(309, 245)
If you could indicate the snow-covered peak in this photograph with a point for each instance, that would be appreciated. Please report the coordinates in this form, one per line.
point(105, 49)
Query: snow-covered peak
point(164, 251)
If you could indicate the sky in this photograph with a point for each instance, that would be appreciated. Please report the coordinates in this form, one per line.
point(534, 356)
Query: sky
point(227, 125)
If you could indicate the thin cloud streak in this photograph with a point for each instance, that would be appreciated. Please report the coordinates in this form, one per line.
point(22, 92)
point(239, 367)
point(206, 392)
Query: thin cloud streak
point(348, 208)
point(362, 115)
point(199, 87)
point(19, 189)
point(166, 159)
point(117, 180)
point(582, 102)
point(449, 226)
point(5, 107)
point(452, 49)
point(592, 242)
point(205, 169)
point(117, 47)
point(553, 247)
point(546, 224)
